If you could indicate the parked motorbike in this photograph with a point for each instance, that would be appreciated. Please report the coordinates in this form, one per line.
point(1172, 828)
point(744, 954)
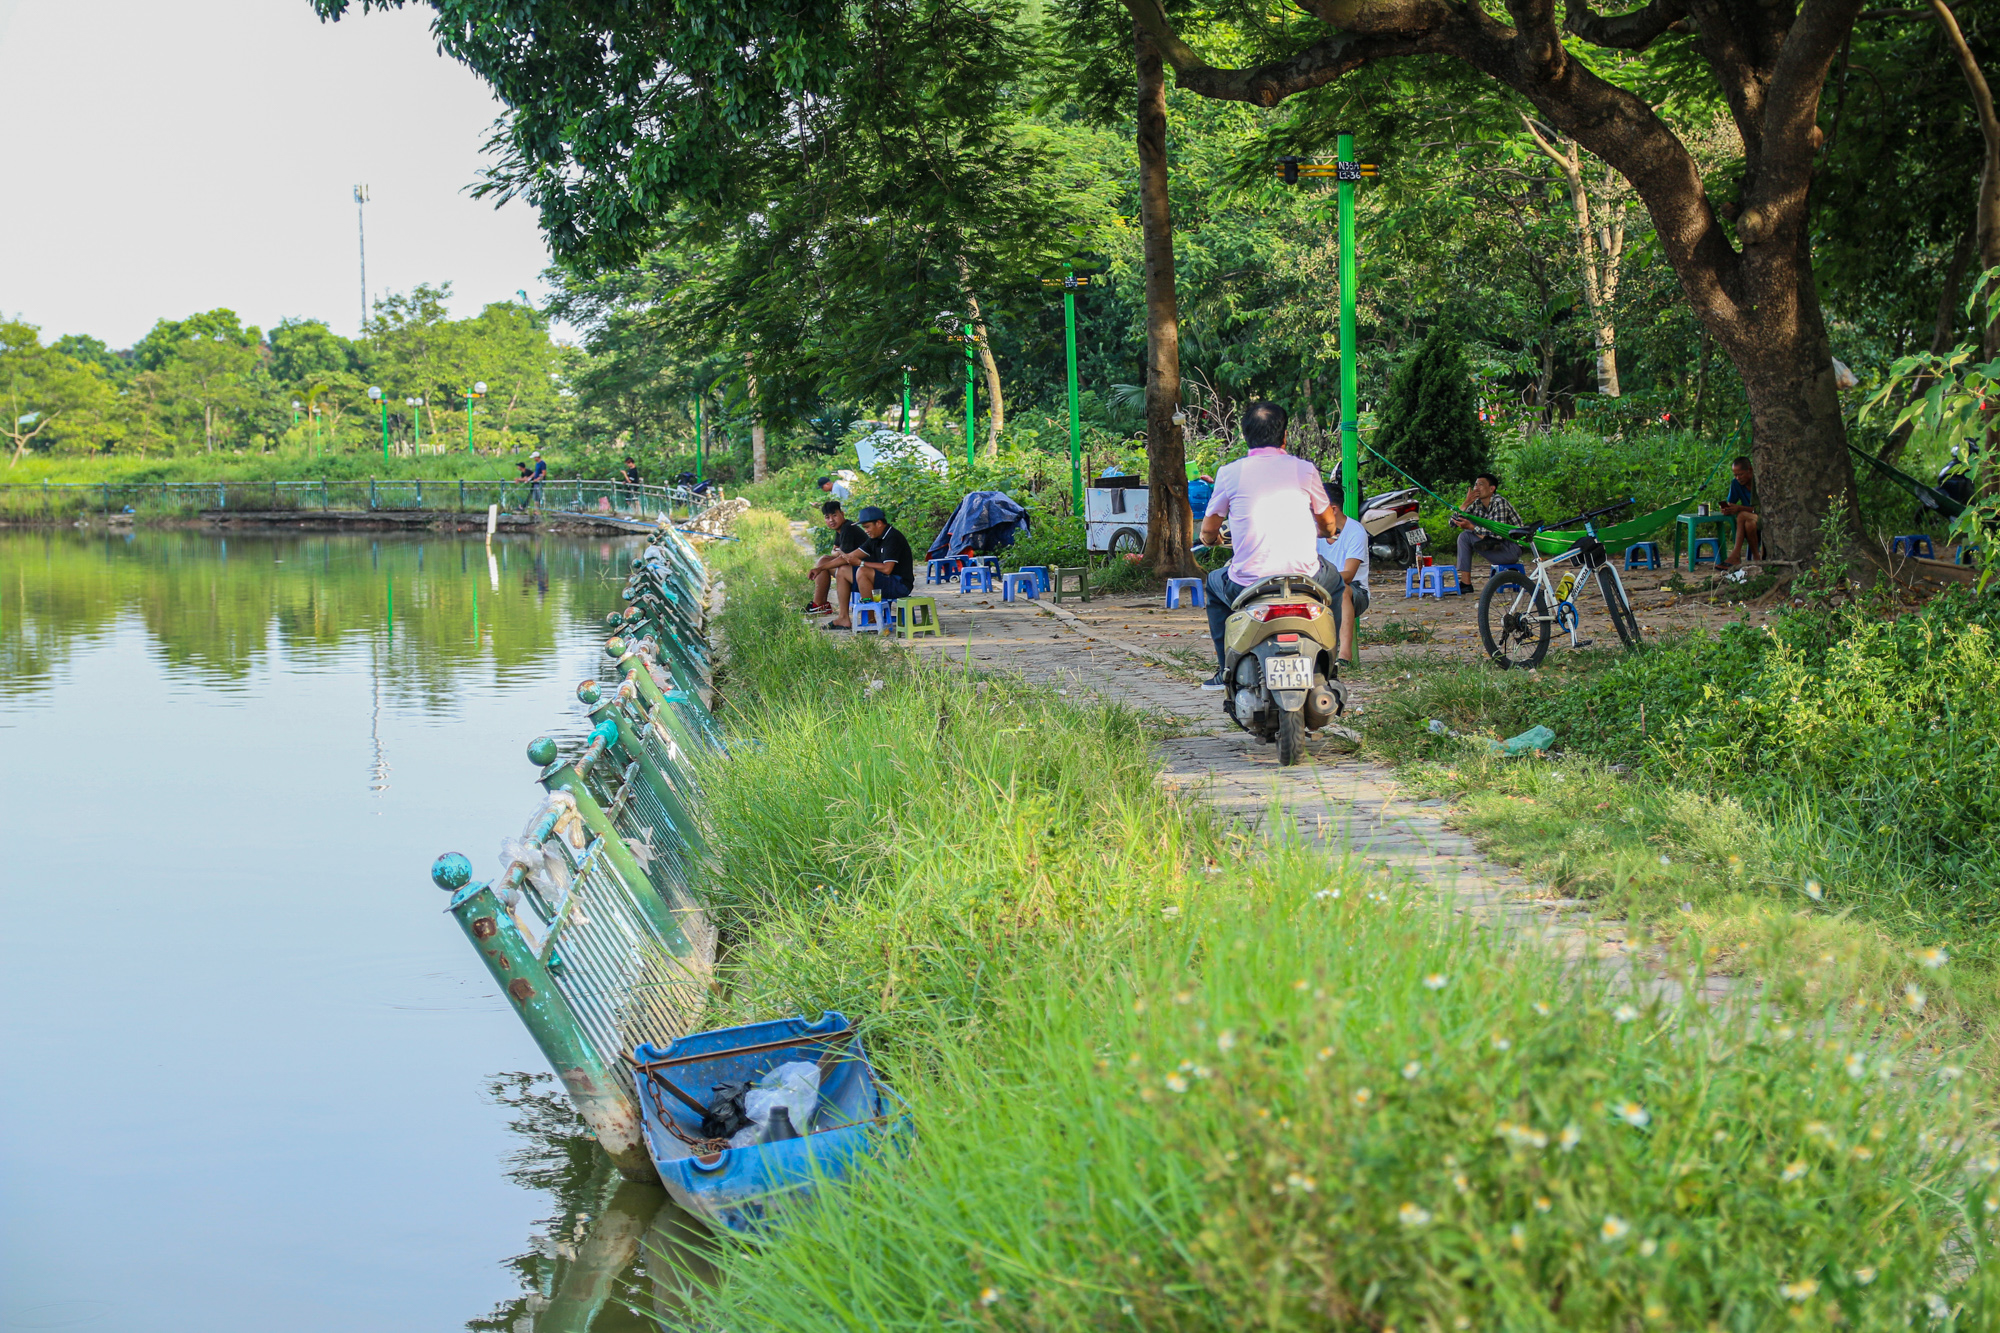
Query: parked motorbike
point(1280, 664)
point(1394, 535)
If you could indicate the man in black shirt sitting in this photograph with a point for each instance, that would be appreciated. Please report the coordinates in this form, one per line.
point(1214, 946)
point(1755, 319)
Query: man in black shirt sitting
point(884, 567)
point(848, 539)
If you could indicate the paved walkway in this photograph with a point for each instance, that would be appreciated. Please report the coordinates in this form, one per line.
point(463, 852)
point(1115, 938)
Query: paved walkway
point(1337, 801)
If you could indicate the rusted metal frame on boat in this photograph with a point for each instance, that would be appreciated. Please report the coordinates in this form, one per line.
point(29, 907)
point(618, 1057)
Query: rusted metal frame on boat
point(810, 1039)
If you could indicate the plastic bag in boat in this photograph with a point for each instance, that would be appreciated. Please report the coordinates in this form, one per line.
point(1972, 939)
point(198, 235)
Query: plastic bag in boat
point(789, 1092)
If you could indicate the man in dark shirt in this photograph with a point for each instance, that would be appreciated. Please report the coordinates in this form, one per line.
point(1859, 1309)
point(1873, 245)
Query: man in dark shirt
point(884, 568)
point(1741, 505)
point(848, 539)
point(536, 476)
point(629, 474)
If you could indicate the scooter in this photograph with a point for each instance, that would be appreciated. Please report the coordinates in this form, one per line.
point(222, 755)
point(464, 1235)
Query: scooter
point(1394, 534)
point(1280, 663)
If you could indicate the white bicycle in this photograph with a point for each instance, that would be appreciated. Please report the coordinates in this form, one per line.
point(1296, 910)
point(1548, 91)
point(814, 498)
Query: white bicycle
point(1518, 612)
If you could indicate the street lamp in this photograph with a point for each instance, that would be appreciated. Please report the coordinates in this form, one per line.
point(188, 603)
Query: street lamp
point(416, 416)
point(476, 391)
point(295, 411)
point(375, 392)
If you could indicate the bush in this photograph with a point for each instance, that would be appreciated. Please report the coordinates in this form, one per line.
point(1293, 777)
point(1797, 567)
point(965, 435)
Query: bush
point(1553, 475)
point(1153, 1084)
point(1430, 416)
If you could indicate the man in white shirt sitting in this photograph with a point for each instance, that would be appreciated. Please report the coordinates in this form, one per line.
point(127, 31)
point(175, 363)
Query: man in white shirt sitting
point(1343, 571)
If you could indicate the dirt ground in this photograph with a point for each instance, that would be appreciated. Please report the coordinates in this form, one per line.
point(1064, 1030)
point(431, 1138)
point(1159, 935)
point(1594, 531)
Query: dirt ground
point(1395, 625)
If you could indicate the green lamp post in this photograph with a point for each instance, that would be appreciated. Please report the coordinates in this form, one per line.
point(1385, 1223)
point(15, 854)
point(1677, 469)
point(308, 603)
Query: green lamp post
point(971, 397)
point(417, 421)
point(904, 425)
point(700, 440)
point(295, 411)
point(1346, 173)
point(375, 392)
point(476, 391)
point(1069, 282)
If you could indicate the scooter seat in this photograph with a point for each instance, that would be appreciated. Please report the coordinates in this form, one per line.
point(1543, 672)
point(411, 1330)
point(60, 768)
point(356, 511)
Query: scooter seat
point(1283, 585)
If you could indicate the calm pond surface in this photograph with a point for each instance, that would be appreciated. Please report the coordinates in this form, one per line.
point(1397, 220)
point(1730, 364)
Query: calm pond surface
point(256, 1079)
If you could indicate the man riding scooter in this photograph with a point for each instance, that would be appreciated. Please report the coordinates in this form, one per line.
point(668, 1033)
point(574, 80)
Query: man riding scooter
point(1277, 510)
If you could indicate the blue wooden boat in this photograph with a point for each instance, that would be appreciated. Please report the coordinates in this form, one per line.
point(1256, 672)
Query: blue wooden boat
point(739, 1188)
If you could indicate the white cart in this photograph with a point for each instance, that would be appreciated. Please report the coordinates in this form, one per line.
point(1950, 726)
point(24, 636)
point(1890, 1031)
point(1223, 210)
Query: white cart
point(1114, 514)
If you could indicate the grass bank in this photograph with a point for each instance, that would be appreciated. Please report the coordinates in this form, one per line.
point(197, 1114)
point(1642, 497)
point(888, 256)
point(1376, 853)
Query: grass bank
point(1156, 1083)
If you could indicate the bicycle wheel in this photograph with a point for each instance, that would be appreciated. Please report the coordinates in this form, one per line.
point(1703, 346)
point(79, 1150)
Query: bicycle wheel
point(1516, 630)
point(1619, 606)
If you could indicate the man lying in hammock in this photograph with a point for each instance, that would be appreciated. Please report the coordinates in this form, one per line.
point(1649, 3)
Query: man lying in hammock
point(1741, 505)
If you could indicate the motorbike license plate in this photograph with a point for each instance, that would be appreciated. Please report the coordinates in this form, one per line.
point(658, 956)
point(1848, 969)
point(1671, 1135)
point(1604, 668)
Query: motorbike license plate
point(1288, 673)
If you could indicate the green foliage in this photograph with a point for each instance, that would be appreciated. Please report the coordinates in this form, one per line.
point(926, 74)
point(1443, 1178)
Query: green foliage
point(1554, 474)
point(47, 397)
point(1430, 417)
point(1153, 1083)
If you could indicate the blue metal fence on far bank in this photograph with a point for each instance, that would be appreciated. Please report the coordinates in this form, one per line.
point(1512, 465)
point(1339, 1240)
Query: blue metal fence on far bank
point(565, 495)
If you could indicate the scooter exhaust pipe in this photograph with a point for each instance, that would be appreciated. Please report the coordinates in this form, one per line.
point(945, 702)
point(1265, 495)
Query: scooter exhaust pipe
point(1323, 705)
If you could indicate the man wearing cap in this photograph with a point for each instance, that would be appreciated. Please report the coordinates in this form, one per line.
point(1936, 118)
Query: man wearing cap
point(884, 567)
point(848, 543)
point(535, 478)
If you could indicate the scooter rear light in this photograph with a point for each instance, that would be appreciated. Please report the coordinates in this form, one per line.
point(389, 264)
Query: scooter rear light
point(1406, 509)
point(1287, 638)
point(1283, 610)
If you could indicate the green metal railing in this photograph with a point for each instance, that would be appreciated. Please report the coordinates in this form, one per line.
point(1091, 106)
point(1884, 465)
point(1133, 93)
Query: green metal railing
point(557, 495)
point(595, 929)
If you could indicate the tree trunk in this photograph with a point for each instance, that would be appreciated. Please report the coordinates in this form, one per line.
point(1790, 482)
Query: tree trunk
point(996, 416)
point(1170, 523)
point(757, 468)
point(1987, 230)
point(1602, 246)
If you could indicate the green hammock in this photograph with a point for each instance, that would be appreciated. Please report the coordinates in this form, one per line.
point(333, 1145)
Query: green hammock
point(1930, 497)
point(1556, 542)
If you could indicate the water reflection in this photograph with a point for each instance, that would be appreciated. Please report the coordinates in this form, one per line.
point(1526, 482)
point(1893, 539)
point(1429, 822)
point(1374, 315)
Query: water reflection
point(613, 1256)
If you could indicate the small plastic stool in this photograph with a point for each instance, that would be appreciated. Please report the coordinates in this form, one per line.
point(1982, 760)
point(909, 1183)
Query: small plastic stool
point(1175, 587)
point(991, 562)
point(1041, 573)
point(1714, 544)
point(1063, 574)
point(869, 617)
point(940, 571)
point(1018, 582)
point(1429, 581)
point(917, 615)
point(972, 574)
point(1647, 551)
point(1516, 569)
point(1907, 545)
point(1967, 555)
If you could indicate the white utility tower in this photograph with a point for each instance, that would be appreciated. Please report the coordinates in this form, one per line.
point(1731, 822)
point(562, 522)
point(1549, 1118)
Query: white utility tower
point(361, 231)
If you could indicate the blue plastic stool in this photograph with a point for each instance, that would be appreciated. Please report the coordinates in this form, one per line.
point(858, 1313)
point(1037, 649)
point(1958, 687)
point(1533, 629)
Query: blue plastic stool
point(1648, 551)
point(1175, 587)
point(1517, 569)
point(1714, 544)
point(940, 571)
point(1967, 555)
point(1907, 545)
point(1428, 581)
point(979, 574)
point(991, 562)
point(1041, 573)
point(1017, 582)
point(871, 617)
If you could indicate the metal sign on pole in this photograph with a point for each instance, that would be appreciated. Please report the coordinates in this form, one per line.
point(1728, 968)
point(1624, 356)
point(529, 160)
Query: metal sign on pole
point(1346, 172)
point(904, 425)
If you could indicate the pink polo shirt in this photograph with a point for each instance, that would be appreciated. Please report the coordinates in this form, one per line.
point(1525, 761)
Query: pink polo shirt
point(1271, 500)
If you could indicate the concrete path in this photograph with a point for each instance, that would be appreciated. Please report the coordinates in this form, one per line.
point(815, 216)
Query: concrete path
point(1337, 801)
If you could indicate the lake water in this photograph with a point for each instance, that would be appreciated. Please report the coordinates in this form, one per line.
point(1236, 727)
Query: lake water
point(255, 1078)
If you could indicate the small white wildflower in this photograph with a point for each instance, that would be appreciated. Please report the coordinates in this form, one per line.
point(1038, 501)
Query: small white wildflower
point(990, 1296)
point(1542, 1204)
point(1648, 1247)
point(1517, 1236)
point(1543, 1009)
point(1412, 1216)
point(1938, 1306)
point(1625, 1013)
point(1500, 1043)
point(1801, 1291)
point(1913, 996)
point(1933, 958)
point(1814, 892)
point(1795, 1171)
point(1985, 1164)
point(1614, 1229)
point(1784, 1032)
point(1413, 1070)
point(1863, 1276)
point(1856, 1064)
point(1302, 1184)
point(1202, 1071)
point(1435, 981)
point(1326, 1053)
point(1225, 1040)
point(1460, 1183)
point(1569, 1138)
point(1362, 1097)
point(1634, 1115)
point(1175, 1083)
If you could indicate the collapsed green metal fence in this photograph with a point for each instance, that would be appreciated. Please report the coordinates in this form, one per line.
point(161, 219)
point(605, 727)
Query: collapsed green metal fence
point(595, 929)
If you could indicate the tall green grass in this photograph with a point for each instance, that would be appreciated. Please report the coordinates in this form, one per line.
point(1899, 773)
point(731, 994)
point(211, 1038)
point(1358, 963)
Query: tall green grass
point(1158, 1082)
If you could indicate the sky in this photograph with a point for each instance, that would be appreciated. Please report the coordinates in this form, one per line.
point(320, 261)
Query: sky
point(162, 157)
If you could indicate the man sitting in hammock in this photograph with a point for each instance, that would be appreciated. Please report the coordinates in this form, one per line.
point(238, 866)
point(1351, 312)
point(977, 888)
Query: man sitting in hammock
point(1741, 505)
point(1483, 500)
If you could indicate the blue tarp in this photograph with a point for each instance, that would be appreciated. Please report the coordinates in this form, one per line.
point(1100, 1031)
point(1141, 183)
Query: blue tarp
point(983, 521)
